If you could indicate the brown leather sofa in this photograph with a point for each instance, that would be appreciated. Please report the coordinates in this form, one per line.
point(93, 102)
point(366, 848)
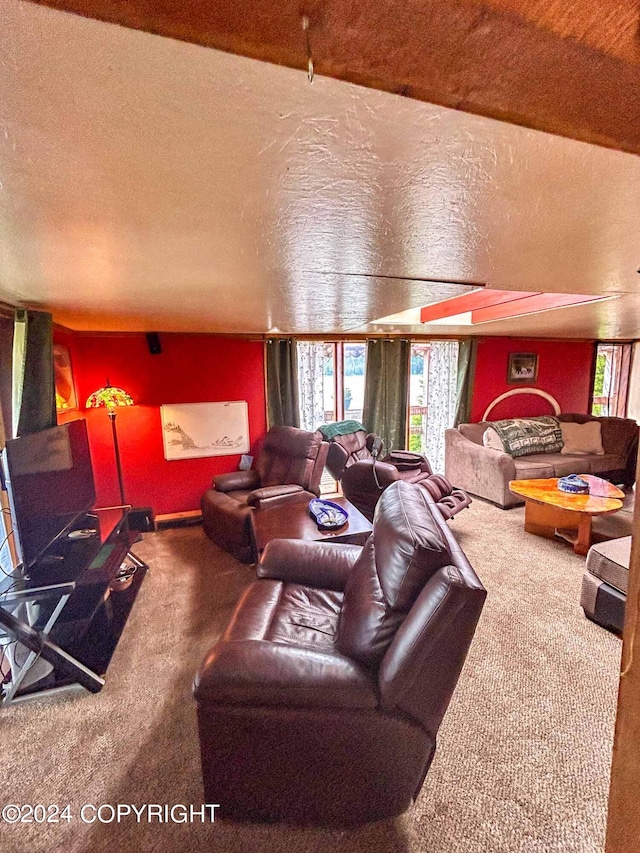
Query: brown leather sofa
point(291, 462)
point(353, 459)
point(321, 702)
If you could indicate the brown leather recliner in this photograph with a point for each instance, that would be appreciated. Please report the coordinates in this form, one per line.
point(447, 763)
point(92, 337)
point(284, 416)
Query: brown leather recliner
point(353, 459)
point(345, 450)
point(291, 462)
point(321, 702)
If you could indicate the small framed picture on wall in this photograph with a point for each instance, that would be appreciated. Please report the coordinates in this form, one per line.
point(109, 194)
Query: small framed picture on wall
point(523, 367)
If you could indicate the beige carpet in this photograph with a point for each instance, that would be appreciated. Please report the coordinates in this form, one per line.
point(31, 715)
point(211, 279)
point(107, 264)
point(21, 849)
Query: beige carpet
point(524, 752)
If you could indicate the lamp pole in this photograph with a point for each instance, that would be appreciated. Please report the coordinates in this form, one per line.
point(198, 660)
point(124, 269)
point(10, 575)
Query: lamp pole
point(116, 448)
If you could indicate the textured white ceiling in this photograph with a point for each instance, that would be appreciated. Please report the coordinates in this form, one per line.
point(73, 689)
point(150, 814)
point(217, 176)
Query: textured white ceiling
point(154, 185)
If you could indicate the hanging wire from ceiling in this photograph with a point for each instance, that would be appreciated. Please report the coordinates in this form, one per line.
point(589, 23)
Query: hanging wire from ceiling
point(305, 27)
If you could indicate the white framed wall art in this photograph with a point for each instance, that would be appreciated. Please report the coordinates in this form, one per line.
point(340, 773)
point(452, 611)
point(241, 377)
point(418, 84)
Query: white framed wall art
point(192, 430)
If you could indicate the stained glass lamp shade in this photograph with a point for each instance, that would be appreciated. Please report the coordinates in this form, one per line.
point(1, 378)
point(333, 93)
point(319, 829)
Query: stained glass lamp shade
point(111, 398)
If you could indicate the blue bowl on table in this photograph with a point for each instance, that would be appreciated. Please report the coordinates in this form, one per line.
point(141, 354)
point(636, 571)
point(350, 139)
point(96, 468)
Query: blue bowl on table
point(327, 514)
point(573, 485)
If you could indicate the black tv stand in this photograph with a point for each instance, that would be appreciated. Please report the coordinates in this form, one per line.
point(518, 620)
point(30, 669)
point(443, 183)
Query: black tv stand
point(71, 609)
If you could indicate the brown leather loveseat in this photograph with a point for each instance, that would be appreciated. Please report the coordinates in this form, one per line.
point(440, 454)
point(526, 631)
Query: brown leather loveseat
point(321, 702)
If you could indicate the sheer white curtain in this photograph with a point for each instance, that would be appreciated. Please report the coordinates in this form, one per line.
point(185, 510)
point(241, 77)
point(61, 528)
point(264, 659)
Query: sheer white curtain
point(311, 384)
point(441, 399)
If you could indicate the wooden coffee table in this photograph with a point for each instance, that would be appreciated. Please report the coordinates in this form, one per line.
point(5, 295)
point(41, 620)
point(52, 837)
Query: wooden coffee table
point(550, 512)
point(291, 519)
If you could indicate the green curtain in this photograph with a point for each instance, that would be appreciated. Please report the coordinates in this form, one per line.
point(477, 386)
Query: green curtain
point(283, 408)
point(33, 391)
point(386, 391)
point(467, 351)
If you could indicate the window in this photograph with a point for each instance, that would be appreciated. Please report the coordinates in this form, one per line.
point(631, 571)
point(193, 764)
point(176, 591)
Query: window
point(330, 386)
point(316, 383)
point(330, 382)
point(418, 384)
point(354, 359)
point(611, 380)
point(432, 397)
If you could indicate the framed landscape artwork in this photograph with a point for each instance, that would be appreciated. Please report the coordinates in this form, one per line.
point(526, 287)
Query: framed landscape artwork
point(523, 367)
point(192, 430)
point(65, 390)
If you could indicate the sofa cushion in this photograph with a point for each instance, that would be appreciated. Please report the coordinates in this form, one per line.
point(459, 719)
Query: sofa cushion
point(524, 436)
point(608, 462)
point(490, 438)
point(618, 434)
point(405, 549)
point(582, 439)
point(533, 468)
point(563, 465)
point(538, 466)
point(609, 561)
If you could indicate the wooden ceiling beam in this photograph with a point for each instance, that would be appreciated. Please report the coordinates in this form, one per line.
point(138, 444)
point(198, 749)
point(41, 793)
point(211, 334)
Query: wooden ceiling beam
point(568, 67)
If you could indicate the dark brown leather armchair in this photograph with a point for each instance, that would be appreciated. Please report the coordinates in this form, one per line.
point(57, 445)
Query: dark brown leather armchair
point(321, 702)
point(345, 450)
point(291, 462)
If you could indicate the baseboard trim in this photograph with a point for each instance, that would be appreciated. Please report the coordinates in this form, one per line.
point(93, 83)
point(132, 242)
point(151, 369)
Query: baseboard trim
point(178, 519)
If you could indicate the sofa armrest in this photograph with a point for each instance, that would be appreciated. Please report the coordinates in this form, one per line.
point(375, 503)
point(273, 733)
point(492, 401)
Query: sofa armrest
point(320, 564)
point(267, 493)
point(258, 672)
point(236, 481)
point(478, 469)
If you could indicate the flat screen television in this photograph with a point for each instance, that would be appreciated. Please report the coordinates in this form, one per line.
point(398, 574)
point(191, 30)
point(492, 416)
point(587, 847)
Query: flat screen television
point(49, 479)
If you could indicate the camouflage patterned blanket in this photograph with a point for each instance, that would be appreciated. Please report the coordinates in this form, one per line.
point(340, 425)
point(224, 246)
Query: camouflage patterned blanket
point(521, 436)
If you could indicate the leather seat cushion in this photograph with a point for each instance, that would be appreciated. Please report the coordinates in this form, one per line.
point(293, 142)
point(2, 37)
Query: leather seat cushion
point(239, 496)
point(287, 613)
point(279, 650)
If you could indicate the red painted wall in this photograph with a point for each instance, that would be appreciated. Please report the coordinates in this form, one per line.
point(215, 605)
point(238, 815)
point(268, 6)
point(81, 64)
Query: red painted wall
point(207, 368)
point(564, 371)
point(190, 369)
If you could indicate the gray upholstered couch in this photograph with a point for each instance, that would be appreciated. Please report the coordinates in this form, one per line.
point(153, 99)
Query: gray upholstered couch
point(486, 472)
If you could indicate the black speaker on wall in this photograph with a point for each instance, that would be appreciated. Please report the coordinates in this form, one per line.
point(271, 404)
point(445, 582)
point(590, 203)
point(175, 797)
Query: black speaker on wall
point(153, 341)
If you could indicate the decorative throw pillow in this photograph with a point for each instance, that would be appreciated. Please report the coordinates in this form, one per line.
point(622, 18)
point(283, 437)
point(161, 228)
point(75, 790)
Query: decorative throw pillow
point(582, 439)
point(490, 438)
